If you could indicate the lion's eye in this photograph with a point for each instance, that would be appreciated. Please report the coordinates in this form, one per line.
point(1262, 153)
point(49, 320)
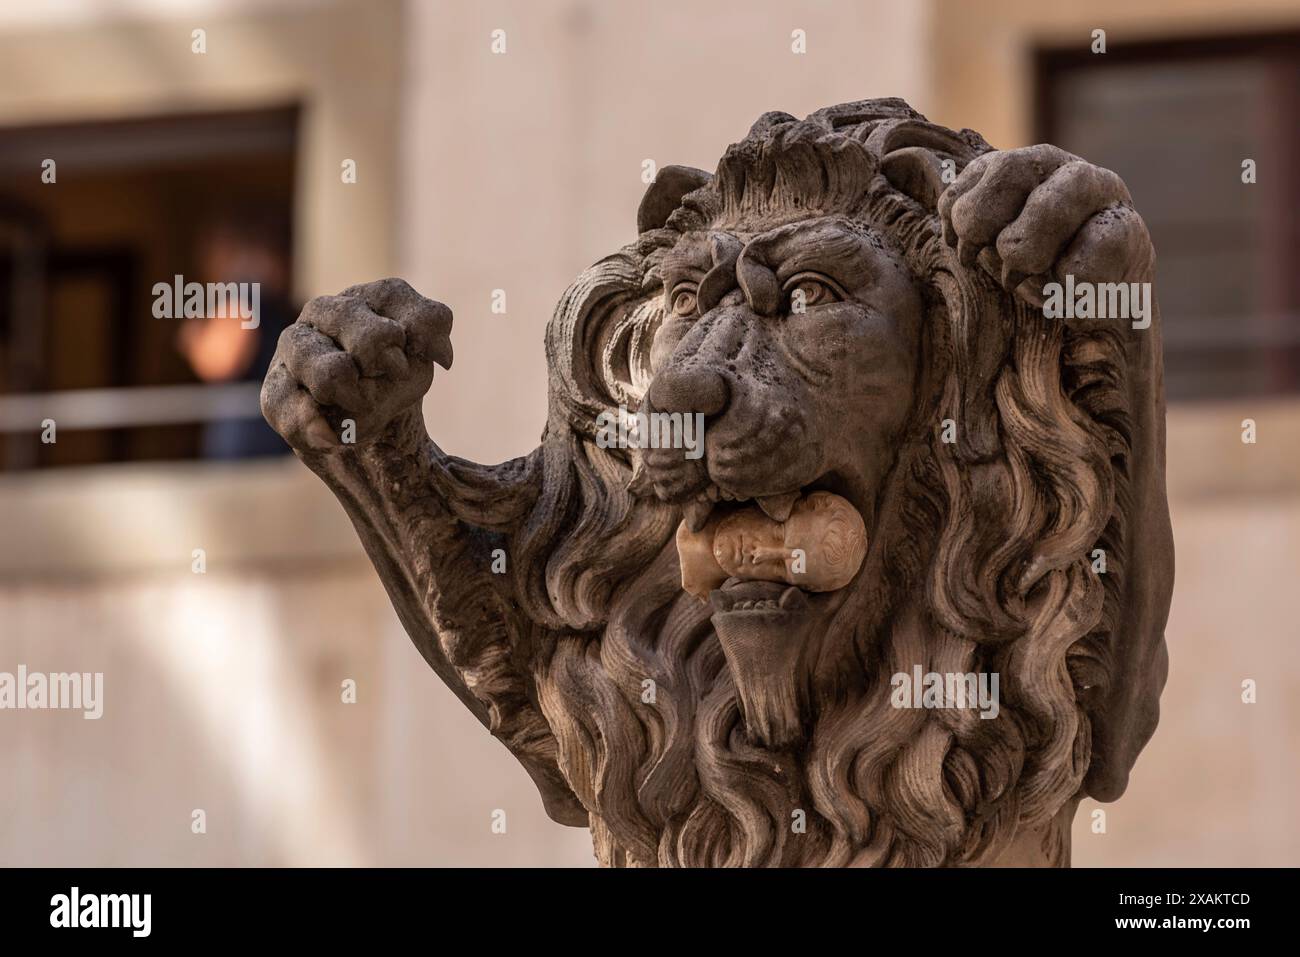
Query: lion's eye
point(807, 291)
point(684, 301)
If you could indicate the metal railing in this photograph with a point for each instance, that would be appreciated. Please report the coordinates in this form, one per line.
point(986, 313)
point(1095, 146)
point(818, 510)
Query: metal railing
point(74, 409)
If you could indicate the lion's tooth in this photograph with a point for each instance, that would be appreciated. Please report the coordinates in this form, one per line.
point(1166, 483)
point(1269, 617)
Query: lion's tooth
point(697, 513)
point(793, 599)
point(640, 484)
point(777, 507)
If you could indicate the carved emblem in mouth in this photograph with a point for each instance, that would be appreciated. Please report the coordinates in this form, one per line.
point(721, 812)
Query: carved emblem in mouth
point(815, 543)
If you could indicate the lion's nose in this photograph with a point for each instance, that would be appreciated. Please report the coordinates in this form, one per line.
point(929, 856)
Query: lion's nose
point(689, 390)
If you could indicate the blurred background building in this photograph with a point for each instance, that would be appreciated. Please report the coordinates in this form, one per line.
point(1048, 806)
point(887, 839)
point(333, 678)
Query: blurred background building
point(475, 172)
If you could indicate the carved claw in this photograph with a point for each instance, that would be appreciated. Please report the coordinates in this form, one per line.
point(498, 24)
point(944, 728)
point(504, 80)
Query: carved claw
point(353, 363)
point(1040, 211)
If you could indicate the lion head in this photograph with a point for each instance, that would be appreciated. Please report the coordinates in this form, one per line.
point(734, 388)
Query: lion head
point(803, 301)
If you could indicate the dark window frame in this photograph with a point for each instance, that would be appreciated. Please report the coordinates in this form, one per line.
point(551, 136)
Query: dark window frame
point(1052, 64)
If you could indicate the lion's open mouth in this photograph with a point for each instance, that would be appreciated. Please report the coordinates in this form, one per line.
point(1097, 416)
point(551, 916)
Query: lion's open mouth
point(757, 597)
point(768, 556)
point(698, 510)
point(771, 570)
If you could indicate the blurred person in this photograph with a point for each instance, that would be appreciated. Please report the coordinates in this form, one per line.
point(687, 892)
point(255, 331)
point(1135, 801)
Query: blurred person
point(248, 248)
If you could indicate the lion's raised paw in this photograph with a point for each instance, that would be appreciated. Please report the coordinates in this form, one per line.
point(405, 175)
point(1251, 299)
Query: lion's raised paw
point(354, 362)
point(1029, 216)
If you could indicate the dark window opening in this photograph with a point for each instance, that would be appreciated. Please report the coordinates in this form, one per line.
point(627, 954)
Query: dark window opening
point(1176, 120)
point(134, 203)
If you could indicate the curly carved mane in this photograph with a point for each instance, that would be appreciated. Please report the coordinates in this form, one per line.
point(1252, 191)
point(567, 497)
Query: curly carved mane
point(983, 560)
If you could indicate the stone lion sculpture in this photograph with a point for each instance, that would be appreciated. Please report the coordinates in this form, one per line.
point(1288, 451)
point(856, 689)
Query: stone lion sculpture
point(852, 303)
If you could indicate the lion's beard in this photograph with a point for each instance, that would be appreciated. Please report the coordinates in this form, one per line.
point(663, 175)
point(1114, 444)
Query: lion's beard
point(651, 735)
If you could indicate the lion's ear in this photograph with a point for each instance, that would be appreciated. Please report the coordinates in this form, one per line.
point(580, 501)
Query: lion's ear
point(916, 171)
point(920, 159)
point(665, 195)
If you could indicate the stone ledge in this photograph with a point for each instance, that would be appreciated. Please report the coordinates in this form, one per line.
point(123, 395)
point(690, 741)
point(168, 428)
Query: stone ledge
point(117, 519)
